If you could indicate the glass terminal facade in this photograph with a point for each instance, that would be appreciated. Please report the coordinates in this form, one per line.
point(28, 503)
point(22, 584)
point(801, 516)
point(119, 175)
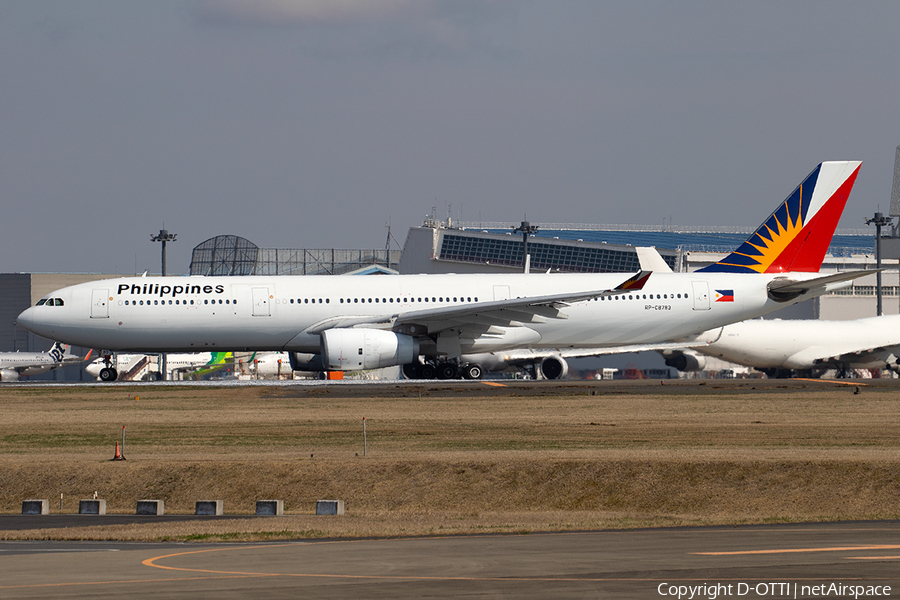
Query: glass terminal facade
point(555, 255)
point(233, 255)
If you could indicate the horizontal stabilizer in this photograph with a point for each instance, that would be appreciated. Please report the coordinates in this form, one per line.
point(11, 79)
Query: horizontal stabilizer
point(782, 290)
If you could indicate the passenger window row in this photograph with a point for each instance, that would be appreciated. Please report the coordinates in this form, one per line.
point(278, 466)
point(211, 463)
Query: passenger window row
point(175, 302)
point(642, 297)
point(383, 300)
point(433, 299)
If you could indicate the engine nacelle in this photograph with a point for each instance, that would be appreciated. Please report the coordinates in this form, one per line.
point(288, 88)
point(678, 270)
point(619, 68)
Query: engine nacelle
point(554, 367)
point(359, 349)
point(686, 362)
point(301, 361)
point(9, 375)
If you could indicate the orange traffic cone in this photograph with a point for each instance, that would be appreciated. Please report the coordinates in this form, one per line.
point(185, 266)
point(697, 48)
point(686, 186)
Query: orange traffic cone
point(118, 455)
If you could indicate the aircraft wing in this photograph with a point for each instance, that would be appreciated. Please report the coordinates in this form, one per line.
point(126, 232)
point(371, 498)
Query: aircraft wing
point(841, 355)
point(584, 352)
point(69, 359)
point(483, 315)
point(510, 312)
point(700, 340)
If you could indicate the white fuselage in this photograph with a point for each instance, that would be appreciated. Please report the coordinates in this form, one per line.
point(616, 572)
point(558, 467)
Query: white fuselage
point(190, 314)
point(27, 363)
point(270, 365)
point(804, 344)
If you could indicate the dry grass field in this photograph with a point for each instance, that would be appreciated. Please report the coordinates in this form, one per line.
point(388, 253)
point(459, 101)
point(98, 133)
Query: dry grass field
point(445, 458)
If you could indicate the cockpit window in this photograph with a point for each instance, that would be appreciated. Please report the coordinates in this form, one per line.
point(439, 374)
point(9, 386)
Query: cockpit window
point(41, 302)
point(59, 302)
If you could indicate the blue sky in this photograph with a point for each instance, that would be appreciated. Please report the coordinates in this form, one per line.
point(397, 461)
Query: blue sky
point(314, 124)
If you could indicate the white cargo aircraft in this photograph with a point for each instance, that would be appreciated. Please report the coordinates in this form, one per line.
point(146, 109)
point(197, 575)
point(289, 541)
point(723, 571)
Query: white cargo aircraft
point(14, 365)
point(778, 347)
point(350, 323)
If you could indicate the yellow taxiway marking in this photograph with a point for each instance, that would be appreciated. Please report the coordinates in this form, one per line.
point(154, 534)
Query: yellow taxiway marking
point(830, 381)
point(493, 384)
point(151, 562)
point(797, 550)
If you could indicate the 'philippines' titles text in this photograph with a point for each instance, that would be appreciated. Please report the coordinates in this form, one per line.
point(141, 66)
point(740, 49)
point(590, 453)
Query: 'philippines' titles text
point(154, 289)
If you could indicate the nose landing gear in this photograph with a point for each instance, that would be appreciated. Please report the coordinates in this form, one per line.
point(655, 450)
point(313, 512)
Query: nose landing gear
point(109, 373)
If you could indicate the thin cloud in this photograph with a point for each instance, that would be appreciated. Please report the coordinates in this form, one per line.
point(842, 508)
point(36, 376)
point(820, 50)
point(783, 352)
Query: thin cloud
point(300, 12)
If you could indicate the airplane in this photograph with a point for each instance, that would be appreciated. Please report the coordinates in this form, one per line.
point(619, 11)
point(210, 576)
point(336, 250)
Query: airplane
point(267, 364)
point(778, 348)
point(349, 324)
point(199, 363)
point(14, 365)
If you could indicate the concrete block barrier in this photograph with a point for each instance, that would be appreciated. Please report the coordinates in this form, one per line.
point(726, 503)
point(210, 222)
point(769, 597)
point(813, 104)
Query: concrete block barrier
point(270, 508)
point(92, 507)
point(329, 507)
point(151, 507)
point(35, 507)
point(209, 507)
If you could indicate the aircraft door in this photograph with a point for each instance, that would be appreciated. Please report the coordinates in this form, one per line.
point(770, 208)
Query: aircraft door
point(701, 295)
point(100, 304)
point(501, 292)
point(261, 302)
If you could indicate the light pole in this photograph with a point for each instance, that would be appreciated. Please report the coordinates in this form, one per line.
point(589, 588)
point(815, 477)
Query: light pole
point(163, 236)
point(527, 229)
point(879, 220)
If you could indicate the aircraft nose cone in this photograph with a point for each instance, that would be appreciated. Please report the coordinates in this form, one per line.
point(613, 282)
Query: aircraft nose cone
point(26, 318)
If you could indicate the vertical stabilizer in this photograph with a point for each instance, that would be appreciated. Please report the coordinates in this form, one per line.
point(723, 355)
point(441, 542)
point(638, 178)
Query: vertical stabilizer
point(796, 236)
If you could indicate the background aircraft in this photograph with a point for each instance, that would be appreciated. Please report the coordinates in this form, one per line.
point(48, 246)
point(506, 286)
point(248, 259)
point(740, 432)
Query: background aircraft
point(264, 365)
point(14, 365)
point(811, 347)
point(131, 366)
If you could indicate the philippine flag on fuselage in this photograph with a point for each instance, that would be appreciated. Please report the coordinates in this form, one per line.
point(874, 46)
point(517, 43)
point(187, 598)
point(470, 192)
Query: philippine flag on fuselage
point(724, 295)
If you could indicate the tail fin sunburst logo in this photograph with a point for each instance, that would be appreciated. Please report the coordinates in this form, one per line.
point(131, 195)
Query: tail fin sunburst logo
point(796, 236)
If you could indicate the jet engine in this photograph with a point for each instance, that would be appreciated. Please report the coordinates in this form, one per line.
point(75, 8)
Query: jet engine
point(9, 375)
point(554, 367)
point(301, 361)
point(685, 362)
point(359, 349)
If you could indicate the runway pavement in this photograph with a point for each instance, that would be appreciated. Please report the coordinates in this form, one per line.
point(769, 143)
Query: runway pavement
point(827, 560)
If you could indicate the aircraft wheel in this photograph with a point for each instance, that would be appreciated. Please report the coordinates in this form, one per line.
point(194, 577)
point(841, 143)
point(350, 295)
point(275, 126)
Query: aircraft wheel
point(108, 374)
point(447, 371)
point(472, 371)
point(411, 371)
point(425, 372)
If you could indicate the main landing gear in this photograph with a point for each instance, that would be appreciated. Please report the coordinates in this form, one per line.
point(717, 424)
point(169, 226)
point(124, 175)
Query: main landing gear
point(442, 370)
point(109, 373)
